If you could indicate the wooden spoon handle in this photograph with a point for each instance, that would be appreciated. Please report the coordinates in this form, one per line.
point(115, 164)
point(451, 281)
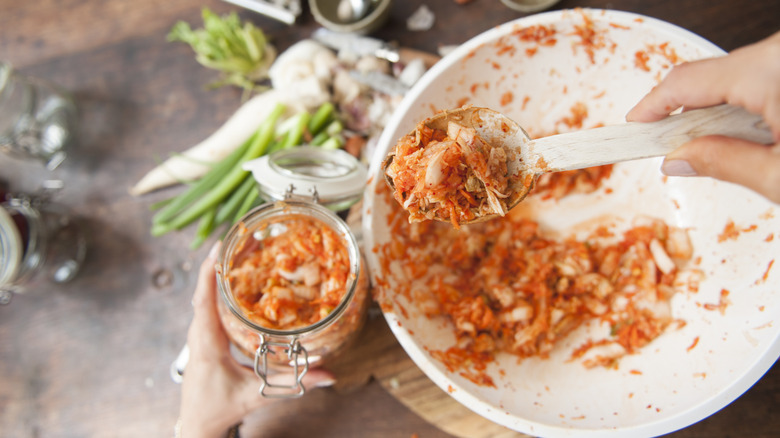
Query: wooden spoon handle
point(633, 140)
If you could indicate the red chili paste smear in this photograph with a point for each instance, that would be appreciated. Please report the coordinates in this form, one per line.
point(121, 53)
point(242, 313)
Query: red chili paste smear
point(732, 232)
point(722, 303)
point(507, 286)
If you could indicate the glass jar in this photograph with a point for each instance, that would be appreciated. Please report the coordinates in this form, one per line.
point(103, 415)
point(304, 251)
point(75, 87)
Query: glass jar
point(294, 291)
point(37, 118)
point(39, 243)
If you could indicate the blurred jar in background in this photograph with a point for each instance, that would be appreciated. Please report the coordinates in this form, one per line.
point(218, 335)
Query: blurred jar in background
point(40, 245)
point(37, 119)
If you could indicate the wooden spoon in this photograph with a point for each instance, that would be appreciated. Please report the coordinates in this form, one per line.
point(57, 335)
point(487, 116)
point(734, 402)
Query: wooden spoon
point(598, 146)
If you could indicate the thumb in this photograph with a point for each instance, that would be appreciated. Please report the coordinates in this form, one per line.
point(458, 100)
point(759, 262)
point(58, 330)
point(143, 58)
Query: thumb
point(752, 165)
point(318, 378)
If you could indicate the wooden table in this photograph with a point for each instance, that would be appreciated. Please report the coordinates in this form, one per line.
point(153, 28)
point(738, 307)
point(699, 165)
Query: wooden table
point(90, 359)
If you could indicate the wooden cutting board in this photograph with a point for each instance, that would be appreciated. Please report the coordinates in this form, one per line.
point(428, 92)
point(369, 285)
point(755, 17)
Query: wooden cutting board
point(377, 354)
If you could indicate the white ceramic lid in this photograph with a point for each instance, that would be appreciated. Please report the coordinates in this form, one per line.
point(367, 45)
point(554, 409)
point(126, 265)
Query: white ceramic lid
point(337, 178)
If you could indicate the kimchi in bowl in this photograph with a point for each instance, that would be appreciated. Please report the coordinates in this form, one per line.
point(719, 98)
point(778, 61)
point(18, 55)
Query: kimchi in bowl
point(558, 72)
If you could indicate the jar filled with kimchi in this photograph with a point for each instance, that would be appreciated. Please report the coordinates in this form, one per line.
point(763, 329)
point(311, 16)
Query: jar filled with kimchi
point(290, 274)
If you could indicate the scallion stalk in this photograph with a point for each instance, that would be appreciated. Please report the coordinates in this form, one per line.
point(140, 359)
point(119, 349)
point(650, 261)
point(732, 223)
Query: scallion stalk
point(229, 183)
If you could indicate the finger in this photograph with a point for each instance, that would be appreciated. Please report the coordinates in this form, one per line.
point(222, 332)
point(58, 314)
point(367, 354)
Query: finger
point(252, 399)
point(206, 334)
point(318, 378)
point(752, 165)
point(206, 280)
point(694, 84)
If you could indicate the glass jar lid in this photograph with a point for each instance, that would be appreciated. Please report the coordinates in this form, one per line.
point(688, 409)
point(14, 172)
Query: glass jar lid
point(10, 248)
point(334, 178)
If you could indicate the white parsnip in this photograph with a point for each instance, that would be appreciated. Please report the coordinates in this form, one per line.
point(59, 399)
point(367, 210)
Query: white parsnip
point(195, 162)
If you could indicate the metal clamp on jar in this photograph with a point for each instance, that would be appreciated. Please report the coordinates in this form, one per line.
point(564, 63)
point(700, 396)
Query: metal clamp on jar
point(290, 273)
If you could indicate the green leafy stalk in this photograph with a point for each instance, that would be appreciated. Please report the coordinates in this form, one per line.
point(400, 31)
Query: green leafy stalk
point(295, 136)
point(160, 204)
point(319, 139)
point(321, 118)
point(199, 188)
point(229, 183)
point(334, 128)
point(249, 201)
point(228, 210)
point(292, 132)
point(239, 51)
point(205, 227)
point(332, 143)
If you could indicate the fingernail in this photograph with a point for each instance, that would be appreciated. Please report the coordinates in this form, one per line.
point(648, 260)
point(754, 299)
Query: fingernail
point(677, 168)
point(214, 250)
point(325, 383)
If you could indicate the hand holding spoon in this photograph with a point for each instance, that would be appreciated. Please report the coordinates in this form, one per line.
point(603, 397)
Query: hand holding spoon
point(593, 147)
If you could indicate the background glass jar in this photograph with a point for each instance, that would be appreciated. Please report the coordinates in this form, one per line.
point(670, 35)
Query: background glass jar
point(299, 348)
point(37, 118)
point(39, 244)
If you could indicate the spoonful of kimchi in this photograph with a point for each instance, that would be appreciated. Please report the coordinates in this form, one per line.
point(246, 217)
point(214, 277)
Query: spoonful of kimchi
point(472, 164)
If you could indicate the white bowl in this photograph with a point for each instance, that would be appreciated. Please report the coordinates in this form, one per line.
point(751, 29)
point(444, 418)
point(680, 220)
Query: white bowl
point(678, 385)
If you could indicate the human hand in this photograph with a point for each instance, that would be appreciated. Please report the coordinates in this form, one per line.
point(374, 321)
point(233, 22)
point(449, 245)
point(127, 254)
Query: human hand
point(217, 392)
point(748, 77)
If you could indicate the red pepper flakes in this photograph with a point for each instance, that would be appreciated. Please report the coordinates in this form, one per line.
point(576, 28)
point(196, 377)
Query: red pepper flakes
point(731, 232)
point(579, 112)
point(766, 273)
point(641, 59)
point(526, 99)
point(723, 302)
point(507, 98)
point(693, 344)
point(591, 39)
point(469, 304)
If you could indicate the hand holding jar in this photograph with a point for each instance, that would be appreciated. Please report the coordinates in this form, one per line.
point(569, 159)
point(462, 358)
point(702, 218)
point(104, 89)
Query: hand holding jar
point(217, 392)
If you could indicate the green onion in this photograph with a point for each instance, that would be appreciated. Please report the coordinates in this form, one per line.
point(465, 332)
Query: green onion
point(332, 143)
point(249, 201)
point(160, 204)
point(334, 128)
point(232, 180)
point(205, 227)
point(319, 139)
point(295, 136)
point(320, 118)
point(198, 189)
point(228, 210)
point(237, 51)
